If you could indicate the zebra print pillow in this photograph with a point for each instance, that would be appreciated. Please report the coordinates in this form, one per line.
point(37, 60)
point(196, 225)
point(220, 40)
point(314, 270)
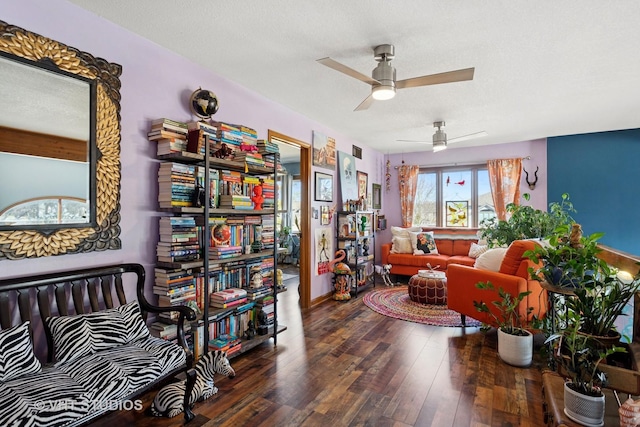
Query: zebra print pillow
point(85, 334)
point(16, 353)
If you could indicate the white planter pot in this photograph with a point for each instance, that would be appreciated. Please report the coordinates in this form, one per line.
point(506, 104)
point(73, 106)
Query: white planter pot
point(514, 349)
point(587, 410)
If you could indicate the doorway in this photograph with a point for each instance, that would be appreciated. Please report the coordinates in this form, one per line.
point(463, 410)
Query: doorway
point(301, 203)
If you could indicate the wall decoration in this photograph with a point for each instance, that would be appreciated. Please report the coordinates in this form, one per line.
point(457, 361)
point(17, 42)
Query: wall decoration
point(323, 187)
point(324, 249)
point(457, 213)
point(324, 215)
point(376, 189)
point(356, 151)
point(324, 151)
point(314, 213)
point(387, 175)
point(363, 184)
point(347, 170)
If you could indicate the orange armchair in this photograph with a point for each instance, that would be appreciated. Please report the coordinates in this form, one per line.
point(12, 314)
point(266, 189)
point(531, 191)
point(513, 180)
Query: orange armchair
point(513, 277)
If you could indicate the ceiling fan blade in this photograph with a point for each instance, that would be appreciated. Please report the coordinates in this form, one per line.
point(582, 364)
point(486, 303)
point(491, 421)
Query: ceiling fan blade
point(346, 70)
point(365, 104)
point(413, 140)
point(435, 79)
point(467, 137)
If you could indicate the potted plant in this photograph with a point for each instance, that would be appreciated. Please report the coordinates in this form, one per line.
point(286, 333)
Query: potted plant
point(595, 291)
point(515, 342)
point(578, 358)
point(525, 222)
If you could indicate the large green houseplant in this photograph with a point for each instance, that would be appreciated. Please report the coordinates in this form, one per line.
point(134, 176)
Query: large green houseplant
point(596, 291)
point(525, 222)
point(515, 342)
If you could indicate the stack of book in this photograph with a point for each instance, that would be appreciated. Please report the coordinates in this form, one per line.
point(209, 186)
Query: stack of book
point(229, 134)
point(170, 135)
point(178, 239)
point(236, 201)
point(166, 331)
point(174, 287)
point(224, 252)
point(226, 342)
point(230, 182)
point(198, 132)
point(249, 136)
point(228, 298)
point(251, 159)
point(176, 184)
point(267, 147)
point(268, 234)
point(268, 192)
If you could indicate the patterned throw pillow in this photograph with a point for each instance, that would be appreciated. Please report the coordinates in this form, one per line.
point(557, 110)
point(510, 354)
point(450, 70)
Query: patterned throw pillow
point(85, 334)
point(16, 353)
point(476, 250)
point(423, 243)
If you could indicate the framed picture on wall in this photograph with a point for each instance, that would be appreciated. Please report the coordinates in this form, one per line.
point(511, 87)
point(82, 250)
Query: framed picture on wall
point(363, 183)
point(323, 187)
point(376, 189)
point(324, 151)
point(457, 213)
point(324, 215)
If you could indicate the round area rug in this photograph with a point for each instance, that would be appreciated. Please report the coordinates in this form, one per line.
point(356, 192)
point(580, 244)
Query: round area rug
point(395, 302)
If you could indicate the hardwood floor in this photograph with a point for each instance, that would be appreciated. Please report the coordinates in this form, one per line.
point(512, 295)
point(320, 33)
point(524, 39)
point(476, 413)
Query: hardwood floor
point(342, 364)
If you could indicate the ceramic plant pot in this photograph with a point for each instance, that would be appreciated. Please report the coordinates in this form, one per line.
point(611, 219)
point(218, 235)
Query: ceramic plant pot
point(583, 409)
point(515, 350)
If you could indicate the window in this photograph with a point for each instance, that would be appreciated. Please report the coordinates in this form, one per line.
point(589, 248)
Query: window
point(440, 191)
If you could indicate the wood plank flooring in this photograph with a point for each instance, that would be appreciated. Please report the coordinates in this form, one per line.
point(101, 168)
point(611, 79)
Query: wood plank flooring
point(342, 364)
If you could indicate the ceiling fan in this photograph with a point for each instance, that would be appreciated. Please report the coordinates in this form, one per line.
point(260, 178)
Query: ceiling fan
point(440, 137)
point(383, 81)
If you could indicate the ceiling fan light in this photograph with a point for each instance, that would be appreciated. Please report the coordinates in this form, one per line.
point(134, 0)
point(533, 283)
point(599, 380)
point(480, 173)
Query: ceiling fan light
point(439, 146)
point(382, 92)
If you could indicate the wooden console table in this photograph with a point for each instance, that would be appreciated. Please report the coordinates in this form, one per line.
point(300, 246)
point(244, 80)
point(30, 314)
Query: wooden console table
point(553, 403)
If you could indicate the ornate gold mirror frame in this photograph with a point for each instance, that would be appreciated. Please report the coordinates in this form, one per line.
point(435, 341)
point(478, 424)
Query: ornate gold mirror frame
point(20, 244)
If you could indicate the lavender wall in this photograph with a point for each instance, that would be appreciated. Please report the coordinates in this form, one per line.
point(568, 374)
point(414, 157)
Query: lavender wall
point(537, 149)
point(155, 83)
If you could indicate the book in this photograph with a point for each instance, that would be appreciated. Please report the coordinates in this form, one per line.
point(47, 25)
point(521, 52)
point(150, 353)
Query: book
point(230, 304)
point(229, 294)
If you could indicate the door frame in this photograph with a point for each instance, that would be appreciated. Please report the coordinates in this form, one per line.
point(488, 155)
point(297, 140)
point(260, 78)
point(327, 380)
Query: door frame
point(305, 208)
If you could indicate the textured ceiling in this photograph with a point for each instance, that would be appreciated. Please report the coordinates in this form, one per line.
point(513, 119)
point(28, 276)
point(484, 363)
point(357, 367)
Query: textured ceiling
point(542, 68)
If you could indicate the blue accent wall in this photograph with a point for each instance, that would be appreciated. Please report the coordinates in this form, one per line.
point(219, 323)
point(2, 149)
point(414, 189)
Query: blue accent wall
point(601, 174)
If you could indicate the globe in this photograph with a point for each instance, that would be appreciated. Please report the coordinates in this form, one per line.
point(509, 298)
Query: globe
point(221, 234)
point(203, 103)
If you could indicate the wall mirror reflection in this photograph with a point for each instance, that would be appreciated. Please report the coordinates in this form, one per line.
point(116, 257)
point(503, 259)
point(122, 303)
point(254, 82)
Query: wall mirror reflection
point(47, 126)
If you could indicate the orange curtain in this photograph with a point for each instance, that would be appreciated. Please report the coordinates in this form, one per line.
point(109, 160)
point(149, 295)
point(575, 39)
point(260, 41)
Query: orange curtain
point(504, 177)
point(407, 181)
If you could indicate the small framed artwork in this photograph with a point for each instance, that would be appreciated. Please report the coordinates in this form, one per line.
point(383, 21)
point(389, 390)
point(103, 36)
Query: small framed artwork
point(457, 213)
point(323, 187)
point(356, 152)
point(324, 215)
point(376, 189)
point(314, 213)
point(363, 183)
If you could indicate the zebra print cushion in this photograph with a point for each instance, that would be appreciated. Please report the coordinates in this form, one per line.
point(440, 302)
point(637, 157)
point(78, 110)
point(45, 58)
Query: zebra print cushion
point(85, 334)
point(16, 353)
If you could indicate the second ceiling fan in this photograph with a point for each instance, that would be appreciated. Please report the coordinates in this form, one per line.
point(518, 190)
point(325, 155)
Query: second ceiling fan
point(383, 79)
point(440, 137)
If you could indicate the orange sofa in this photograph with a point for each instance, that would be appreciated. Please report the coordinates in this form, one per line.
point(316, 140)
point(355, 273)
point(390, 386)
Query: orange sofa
point(513, 277)
point(450, 251)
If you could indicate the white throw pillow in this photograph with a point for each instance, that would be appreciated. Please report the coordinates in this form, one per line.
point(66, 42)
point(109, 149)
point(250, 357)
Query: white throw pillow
point(491, 259)
point(402, 231)
point(476, 250)
point(423, 243)
point(401, 245)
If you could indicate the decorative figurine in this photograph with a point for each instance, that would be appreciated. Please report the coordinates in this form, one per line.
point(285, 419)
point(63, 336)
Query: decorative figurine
point(251, 330)
point(365, 247)
point(257, 198)
point(256, 277)
point(263, 327)
point(223, 152)
point(342, 277)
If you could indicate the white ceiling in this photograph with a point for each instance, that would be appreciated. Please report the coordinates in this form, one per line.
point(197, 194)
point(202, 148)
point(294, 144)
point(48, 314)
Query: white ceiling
point(542, 68)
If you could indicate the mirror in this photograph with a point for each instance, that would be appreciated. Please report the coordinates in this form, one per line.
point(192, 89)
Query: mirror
point(49, 149)
point(59, 148)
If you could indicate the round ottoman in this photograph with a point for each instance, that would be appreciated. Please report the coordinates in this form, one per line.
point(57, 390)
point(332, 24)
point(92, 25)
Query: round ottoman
point(428, 287)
